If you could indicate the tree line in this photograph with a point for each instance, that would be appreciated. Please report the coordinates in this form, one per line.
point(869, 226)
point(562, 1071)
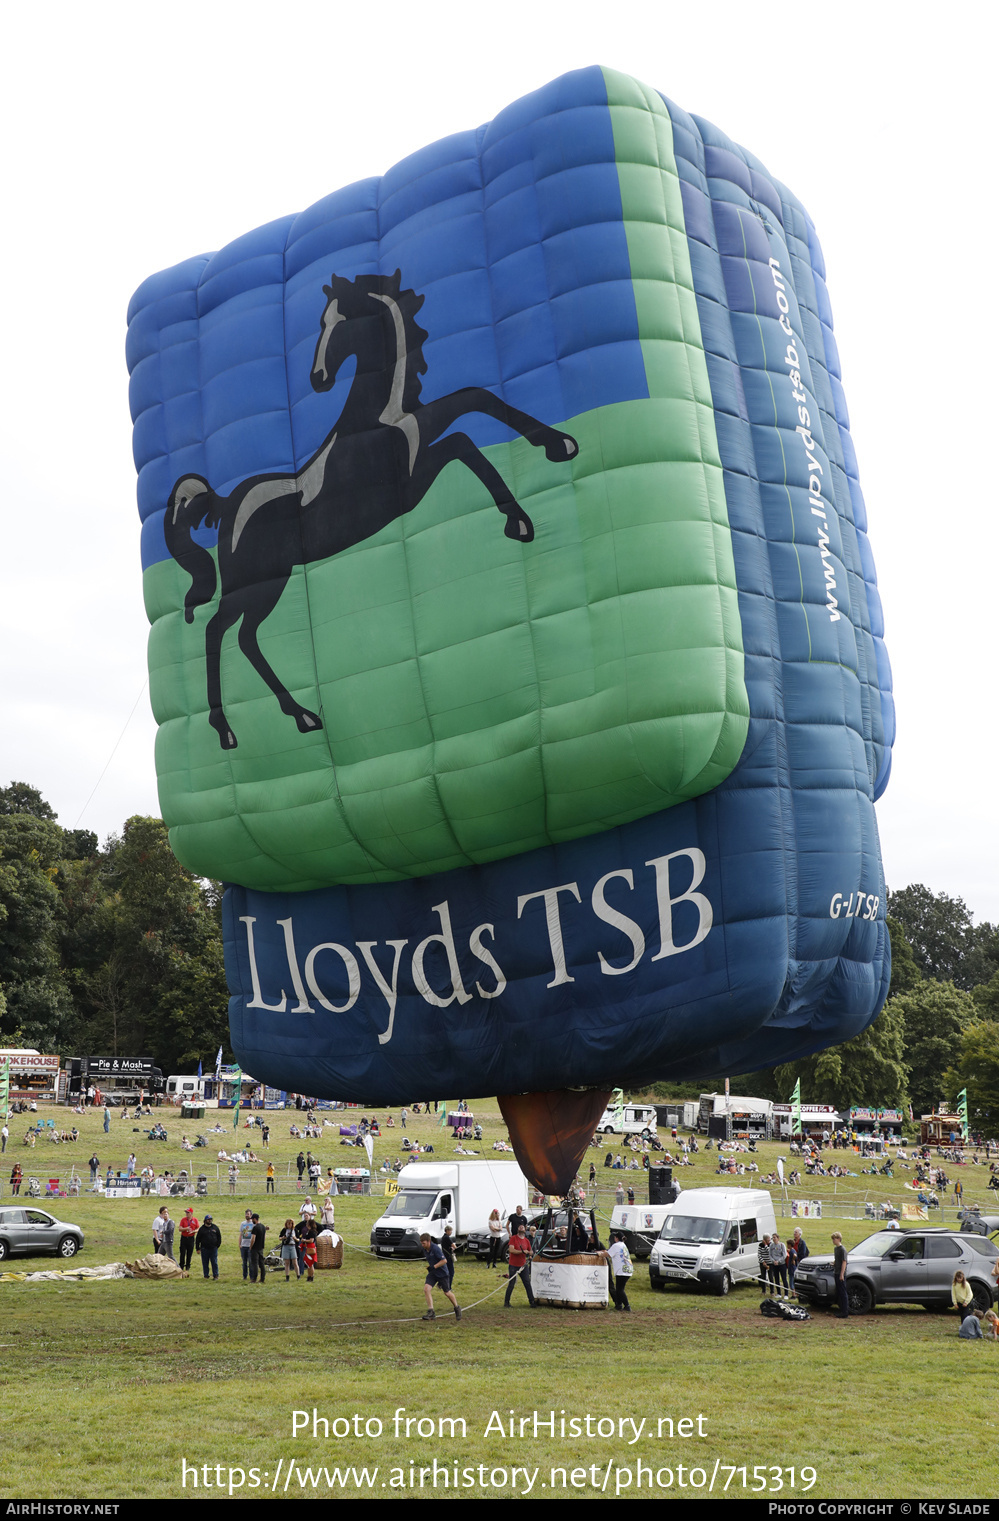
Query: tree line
point(110, 949)
point(937, 1034)
point(116, 949)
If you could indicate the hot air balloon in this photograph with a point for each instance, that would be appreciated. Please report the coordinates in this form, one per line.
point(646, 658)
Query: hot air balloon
point(516, 648)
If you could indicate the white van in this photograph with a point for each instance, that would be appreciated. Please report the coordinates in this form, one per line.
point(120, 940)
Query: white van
point(628, 1119)
point(184, 1089)
point(712, 1236)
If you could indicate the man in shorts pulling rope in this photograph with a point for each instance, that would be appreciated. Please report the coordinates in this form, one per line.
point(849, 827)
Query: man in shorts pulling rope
point(437, 1277)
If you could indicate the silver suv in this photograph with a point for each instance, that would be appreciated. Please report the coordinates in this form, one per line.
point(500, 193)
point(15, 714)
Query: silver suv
point(28, 1232)
point(903, 1267)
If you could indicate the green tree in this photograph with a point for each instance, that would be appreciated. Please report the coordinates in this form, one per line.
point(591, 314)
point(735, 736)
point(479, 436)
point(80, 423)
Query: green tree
point(78, 844)
point(905, 971)
point(761, 1084)
point(986, 997)
point(159, 989)
point(981, 964)
point(869, 1069)
point(86, 943)
point(37, 997)
point(20, 798)
point(946, 945)
point(977, 1070)
point(114, 951)
point(935, 1014)
point(685, 1090)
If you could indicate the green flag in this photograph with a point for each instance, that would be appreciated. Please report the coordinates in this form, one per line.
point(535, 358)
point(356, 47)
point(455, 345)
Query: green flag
point(962, 1109)
point(4, 1086)
point(238, 1080)
point(796, 1109)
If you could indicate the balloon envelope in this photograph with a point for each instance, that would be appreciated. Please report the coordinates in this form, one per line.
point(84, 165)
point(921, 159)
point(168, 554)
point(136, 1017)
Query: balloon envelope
point(516, 646)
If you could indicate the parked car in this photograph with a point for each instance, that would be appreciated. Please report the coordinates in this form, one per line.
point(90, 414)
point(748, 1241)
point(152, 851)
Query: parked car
point(903, 1267)
point(479, 1243)
point(29, 1232)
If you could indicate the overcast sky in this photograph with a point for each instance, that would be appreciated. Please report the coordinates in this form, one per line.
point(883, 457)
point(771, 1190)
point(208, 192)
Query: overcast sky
point(135, 136)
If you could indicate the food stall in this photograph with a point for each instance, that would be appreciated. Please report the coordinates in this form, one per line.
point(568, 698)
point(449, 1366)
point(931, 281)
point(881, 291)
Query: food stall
point(879, 1126)
point(941, 1129)
point(32, 1075)
point(816, 1119)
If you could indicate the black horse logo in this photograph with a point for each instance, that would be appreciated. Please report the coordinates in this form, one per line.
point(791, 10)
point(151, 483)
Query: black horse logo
point(380, 461)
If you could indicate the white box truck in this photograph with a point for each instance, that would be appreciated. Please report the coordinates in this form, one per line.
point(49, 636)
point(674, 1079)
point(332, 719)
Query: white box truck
point(433, 1195)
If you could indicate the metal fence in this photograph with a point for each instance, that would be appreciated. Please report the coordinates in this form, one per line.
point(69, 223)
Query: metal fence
point(845, 1209)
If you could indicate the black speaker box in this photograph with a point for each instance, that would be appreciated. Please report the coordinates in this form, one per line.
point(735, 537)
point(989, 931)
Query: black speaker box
point(661, 1185)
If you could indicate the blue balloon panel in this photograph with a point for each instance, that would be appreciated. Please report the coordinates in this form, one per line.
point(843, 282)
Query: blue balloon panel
point(740, 928)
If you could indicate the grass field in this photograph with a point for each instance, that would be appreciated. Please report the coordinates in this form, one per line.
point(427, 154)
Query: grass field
point(108, 1389)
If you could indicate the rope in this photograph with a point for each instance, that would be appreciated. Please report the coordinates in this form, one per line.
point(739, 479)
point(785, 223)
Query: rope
point(111, 757)
point(338, 1325)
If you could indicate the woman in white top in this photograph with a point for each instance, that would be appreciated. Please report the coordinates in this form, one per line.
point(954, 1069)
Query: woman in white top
point(495, 1237)
point(327, 1213)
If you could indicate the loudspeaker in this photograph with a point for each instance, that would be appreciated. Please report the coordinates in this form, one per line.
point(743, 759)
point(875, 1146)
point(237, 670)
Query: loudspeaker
point(661, 1185)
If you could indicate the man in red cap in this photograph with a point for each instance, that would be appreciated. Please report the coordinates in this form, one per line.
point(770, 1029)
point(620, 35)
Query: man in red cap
point(188, 1231)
